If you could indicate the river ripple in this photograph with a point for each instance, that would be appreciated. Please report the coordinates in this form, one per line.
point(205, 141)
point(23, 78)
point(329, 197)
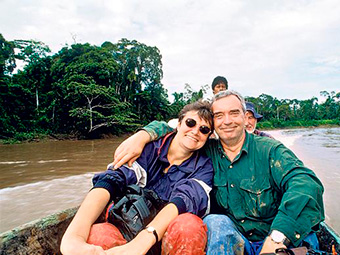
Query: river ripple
point(38, 179)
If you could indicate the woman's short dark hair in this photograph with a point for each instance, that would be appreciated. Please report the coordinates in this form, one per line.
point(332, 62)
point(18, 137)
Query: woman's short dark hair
point(203, 109)
point(218, 80)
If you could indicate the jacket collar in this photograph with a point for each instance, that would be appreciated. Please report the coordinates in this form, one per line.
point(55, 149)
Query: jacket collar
point(188, 165)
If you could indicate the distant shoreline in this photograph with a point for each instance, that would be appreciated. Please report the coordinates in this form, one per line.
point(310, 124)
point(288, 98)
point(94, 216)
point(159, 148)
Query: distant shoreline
point(300, 127)
point(61, 137)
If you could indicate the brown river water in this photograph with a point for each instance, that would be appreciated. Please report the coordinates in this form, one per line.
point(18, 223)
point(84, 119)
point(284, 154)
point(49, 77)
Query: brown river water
point(38, 179)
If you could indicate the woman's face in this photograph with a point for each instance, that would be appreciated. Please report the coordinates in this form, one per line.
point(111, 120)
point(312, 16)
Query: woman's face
point(193, 131)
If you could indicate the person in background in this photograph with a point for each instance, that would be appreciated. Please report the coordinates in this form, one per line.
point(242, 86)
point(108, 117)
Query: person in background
point(252, 118)
point(219, 83)
point(263, 196)
point(178, 171)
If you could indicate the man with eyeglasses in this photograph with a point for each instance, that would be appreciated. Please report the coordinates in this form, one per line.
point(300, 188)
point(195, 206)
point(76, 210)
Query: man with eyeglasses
point(263, 197)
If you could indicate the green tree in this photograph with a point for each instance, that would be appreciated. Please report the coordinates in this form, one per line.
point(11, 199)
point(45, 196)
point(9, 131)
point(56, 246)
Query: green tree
point(102, 106)
point(153, 103)
point(139, 66)
point(268, 106)
point(283, 110)
point(87, 86)
point(330, 108)
point(33, 54)
point(177, 105)
point(308, 109)
point(7, 57)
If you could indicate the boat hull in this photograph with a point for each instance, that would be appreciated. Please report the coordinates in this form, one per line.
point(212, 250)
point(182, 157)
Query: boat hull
point(43, 237)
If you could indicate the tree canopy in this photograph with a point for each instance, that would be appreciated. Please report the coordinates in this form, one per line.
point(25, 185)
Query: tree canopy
point(87, 90)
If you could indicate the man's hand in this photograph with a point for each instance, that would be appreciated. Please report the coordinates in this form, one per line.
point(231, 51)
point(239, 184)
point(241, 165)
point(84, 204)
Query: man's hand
point(269, 246)
point(129, 150)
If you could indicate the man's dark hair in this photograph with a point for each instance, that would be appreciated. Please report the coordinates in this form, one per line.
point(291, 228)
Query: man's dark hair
point(218, 80)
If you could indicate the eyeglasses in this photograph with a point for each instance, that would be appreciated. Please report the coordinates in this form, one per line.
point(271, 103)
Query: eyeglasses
point(191, 123)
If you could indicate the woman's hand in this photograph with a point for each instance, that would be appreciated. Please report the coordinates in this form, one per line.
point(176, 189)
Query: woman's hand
point(137, 246)
point(129, 150)
point(125, 249)
point(76, 234)
point(79, 247)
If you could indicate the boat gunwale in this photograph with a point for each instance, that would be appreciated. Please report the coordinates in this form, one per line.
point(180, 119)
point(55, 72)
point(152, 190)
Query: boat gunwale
point(30, 238)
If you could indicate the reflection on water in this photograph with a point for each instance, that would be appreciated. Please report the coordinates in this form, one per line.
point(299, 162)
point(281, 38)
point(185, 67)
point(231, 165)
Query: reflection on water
point(38, 179)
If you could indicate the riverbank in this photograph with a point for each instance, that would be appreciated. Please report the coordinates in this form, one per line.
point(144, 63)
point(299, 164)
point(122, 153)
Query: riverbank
point(277, 124)
point(38, 137)
point(264, 126)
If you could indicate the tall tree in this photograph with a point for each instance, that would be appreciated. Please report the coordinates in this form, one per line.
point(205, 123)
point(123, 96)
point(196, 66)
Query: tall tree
point(139, 66)
point(33, 53)
point(7, 57)
point(308, 109)
point(329, 109)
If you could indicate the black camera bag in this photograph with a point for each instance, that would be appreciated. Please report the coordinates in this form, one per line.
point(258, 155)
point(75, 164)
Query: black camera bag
point(132, 212)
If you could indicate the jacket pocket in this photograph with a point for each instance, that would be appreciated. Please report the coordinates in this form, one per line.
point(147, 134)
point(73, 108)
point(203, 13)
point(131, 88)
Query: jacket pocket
point(259, 198)
point(220, 192)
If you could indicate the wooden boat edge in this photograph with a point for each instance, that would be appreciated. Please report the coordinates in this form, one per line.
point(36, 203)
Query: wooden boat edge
point(31, 238)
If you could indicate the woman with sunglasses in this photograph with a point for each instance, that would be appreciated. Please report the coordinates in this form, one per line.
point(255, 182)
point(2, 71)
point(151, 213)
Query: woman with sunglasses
point(181, 175)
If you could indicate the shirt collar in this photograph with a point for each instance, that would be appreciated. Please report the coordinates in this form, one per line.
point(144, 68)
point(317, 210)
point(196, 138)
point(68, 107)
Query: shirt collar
point(245, 146)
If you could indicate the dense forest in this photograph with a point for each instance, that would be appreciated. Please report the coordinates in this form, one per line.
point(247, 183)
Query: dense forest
point(85, 91)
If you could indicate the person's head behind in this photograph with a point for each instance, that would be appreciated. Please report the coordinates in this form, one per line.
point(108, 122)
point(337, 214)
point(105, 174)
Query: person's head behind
point(195, 124)
point(229, 116)
point(219, 83)
point(252, 117)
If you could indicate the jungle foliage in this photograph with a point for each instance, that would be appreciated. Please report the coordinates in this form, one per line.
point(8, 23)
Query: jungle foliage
point(87, 91)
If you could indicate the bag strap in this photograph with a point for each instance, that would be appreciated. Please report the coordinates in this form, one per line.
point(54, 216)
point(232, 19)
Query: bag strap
point(120, 203)
point(134, 189)
point(142, 208)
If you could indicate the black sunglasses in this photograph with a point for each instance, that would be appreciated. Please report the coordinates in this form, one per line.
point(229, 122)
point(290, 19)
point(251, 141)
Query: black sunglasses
point(191, 123)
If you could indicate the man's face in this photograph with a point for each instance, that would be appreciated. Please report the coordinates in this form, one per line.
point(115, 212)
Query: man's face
point(219, 87)
point(229, 119)
point(251, 122)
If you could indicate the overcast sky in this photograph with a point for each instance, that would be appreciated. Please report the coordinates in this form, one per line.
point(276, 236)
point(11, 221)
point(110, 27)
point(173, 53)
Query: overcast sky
point(287, 49)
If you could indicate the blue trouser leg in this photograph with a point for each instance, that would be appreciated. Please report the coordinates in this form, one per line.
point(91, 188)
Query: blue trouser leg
point(313, 241)
point(223, 236)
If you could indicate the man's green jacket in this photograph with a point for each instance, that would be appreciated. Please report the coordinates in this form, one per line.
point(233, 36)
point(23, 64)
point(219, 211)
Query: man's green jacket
point(265, 187)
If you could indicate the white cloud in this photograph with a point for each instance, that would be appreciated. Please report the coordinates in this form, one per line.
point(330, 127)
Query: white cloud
point(288, 49)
